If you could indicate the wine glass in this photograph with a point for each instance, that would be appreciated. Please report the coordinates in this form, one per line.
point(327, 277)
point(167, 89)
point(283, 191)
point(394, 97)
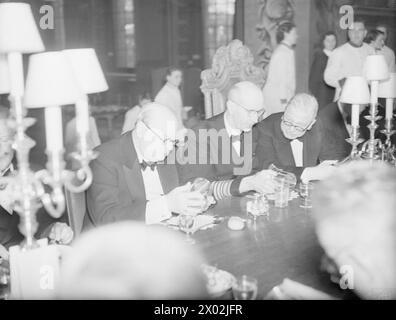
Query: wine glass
point(257, 206)
point(186, 224)
point(245, 288)
point(305, 191)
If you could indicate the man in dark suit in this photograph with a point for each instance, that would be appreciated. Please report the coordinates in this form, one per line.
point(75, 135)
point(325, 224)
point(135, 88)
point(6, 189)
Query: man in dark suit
point(294, 141)
point(55, 229)
point(131, 180)
point(221, 149)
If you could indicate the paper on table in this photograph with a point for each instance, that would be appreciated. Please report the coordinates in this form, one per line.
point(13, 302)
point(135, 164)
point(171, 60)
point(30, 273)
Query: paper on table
point(291, 290)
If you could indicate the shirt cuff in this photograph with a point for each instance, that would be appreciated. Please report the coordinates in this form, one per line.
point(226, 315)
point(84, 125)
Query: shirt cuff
point(157, 210)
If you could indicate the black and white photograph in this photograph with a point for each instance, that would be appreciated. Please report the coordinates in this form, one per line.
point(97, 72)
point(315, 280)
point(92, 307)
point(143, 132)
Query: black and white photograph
point(198, 154)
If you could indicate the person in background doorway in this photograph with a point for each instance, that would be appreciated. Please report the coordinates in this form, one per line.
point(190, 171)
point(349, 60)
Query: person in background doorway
point(386, 51)
point(375, 39)
point(318, 87)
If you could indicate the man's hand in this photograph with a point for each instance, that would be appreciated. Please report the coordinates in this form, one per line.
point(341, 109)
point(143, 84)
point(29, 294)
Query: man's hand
point(320, 172)
point(262, 182)
point(183, 201)
point(61, 233)
point(3, 253)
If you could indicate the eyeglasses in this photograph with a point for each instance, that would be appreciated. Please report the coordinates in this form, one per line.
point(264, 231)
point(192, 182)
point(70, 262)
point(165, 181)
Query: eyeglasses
point(292, 125)
point(167, 141)
point(259, 113)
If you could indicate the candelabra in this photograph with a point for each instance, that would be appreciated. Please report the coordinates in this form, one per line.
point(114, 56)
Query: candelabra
point(376, 70)
point(54, 79)
point(356, 93)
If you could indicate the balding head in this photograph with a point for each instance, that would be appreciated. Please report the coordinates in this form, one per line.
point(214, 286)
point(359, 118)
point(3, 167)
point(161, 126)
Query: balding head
point(354, 210)
point(245, 105)
point(130, 260)
point(299, 116)
point(155, 132)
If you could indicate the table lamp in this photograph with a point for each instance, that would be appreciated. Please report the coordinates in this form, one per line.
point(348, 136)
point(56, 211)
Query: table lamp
point(355, 92)
point(375, 70)
point(90, 78)
point(387, 90)
point(4, 75)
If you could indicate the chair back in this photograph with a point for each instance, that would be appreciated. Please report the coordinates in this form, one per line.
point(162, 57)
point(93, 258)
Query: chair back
point(231, 64)
point(76, 210)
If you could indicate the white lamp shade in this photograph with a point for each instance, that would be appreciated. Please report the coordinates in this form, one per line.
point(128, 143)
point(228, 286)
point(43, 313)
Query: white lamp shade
point(50, 81)
point(4, 75)
point(355, 91)
point(18, 30)
point(387, 88)
point(376, 68)
point(87, 70)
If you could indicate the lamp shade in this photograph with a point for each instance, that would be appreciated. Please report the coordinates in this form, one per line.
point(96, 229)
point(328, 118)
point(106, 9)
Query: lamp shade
point(50, 81)
point(355, 91)
point(376, 68)
point(4, 75)
point(18, 30)
point(387, 88)
point(87, 70)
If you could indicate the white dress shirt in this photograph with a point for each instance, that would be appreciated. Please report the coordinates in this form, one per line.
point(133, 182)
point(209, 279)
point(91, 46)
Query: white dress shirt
point(157, 207)
point(345, 61)
point(5, 197)
point(233, 132)
point(297, 149)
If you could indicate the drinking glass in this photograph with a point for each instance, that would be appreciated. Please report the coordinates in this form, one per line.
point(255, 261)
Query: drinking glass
point(257, 206)
point(4, 283)
point(245, 288)
point(306, 193)
point(186, 224)
point(289, 177)
point(282, 189)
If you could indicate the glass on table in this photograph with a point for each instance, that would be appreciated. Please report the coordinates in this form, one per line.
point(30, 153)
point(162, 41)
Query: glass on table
point(4, 283)
point(186, 224)
point(306, 194)
point(257, 205)
point(288, 176)
point(282, 193)
point(245, 288)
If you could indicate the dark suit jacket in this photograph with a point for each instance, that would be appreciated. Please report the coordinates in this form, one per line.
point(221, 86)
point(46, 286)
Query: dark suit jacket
point(221, 158)
point(318, 87)
point(274, 148)
point(117, 191)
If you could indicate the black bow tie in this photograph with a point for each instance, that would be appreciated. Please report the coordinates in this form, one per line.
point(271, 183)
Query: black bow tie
point(151, 165)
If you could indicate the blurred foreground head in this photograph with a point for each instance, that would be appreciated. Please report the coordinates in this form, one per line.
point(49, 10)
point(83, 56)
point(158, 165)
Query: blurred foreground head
point(129, 260)
point(355, 213)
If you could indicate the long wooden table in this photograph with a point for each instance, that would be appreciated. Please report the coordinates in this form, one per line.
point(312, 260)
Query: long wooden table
point(282, 245)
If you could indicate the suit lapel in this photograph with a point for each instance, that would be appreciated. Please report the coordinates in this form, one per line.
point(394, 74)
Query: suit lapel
point(311, 146)
point(283, 146)
point(168, 176)
point(131, 167)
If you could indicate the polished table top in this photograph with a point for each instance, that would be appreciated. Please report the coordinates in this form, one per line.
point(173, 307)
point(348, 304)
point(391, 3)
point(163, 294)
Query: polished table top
point(282, 245)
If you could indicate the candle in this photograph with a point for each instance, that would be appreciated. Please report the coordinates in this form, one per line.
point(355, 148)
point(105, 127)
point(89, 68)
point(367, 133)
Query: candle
point(389, 109)
point(53, 129)
point(374, 93)
point(355, 115)
point(82, 122)
point(15, 66)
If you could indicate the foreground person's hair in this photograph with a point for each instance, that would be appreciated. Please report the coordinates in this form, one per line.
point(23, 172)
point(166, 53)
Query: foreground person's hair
point(355, 213)
point(130, 260)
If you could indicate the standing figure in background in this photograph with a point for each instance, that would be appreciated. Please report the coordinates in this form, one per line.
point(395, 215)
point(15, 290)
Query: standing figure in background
point(318, 87)
point(280, 86)
point(131, 115)
point(348, 60)
point(386, 51)
point(170, 95)
point(376, 40)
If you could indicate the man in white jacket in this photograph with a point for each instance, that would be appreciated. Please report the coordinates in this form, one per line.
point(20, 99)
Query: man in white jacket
point(348, 59)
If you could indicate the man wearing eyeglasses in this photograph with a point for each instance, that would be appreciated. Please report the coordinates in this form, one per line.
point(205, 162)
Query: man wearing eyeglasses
point(131, 180)
point(294, 141)
point(224, 146)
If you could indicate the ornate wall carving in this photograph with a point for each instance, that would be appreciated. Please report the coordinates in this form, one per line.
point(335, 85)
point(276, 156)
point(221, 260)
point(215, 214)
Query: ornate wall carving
point(271, 14)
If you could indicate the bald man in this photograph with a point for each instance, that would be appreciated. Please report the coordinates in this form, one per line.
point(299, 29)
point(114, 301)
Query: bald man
point(224, 146)
point(131, 180)
point(293, 141)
